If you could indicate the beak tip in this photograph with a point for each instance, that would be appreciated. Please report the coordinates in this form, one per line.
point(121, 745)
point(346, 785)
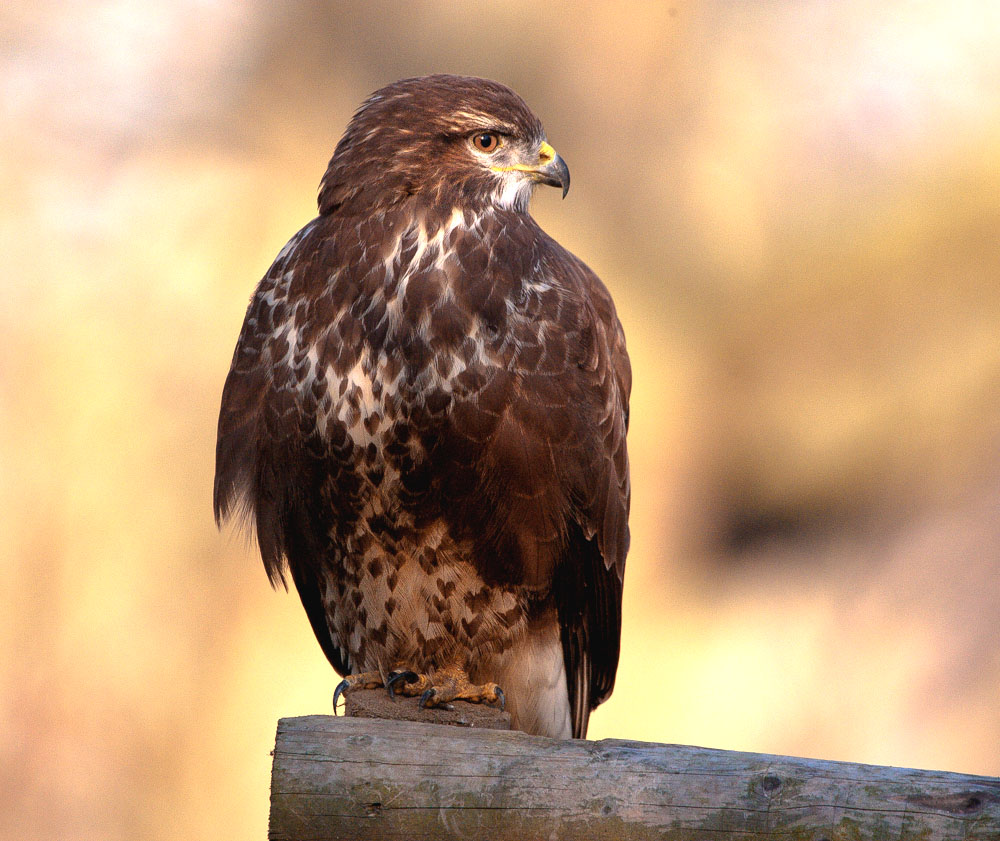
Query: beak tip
point(560, 174)
point(553, 172)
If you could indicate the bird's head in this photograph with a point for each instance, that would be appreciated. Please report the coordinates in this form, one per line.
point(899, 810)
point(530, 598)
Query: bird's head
point(452, 140)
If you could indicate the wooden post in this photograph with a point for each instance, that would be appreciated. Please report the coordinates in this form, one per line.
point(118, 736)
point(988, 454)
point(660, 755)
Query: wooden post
point(360, 778)
point(376, 703)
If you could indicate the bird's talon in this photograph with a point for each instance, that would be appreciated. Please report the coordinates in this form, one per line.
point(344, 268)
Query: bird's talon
point(337, 693)
point(430, 693)
point(501, 698)
point(406, 676)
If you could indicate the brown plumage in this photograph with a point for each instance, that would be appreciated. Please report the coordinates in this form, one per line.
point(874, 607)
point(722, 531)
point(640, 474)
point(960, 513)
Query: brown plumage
point(426, 412)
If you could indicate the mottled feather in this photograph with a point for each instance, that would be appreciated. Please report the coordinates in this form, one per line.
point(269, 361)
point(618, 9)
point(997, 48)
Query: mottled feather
point(426, 415)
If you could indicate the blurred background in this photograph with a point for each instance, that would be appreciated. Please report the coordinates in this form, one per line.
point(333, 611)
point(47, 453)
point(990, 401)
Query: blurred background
point(797, 208)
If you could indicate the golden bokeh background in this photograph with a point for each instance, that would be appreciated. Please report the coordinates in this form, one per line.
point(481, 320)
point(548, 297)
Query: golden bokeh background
point(797, 208)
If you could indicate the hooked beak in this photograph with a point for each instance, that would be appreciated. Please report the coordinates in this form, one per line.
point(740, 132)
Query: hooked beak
point(551, 169)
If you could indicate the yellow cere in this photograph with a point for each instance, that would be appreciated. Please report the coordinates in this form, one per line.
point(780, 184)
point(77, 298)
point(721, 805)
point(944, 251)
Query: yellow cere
point(545, 154)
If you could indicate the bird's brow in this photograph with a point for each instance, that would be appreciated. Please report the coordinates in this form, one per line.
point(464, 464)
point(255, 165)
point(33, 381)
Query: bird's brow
point(480, 121)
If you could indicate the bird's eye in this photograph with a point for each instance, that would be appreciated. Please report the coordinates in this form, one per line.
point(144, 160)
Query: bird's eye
point(486, 141)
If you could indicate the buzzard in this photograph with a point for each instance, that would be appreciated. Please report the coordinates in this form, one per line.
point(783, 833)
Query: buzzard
point(426, 413)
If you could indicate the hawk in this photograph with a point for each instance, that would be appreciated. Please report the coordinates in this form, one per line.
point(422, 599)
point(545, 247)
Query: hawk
point(426, 414)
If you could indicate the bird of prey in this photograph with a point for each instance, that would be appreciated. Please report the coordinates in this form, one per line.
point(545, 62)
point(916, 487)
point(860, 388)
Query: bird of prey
point(426, 414)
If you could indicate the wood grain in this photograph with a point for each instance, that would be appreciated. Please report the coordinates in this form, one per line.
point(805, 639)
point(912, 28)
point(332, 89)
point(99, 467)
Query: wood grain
point(340, 778)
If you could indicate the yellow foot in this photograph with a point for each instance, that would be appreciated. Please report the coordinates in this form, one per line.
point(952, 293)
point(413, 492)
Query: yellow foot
point(442, 686)
point(364, 680)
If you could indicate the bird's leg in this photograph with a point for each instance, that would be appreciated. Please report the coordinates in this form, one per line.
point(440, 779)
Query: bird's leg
point(450, 683)
point(436, 689)
point(363, 680)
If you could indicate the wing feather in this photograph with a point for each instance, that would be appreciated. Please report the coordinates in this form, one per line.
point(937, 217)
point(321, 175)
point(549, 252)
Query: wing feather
point(263, 457)
point(555, 518)
point(588, 583)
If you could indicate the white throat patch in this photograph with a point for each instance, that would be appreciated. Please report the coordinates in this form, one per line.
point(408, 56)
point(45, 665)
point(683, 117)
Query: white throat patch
point(514, 192)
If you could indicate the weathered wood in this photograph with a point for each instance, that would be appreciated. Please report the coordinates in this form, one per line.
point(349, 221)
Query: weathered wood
point(340, 778)
point(376, 703)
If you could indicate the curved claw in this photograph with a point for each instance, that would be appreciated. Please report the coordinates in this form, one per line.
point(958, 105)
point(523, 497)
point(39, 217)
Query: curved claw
point(502, 698)
point(407, 676)
point(430, 693)
point(338, 692)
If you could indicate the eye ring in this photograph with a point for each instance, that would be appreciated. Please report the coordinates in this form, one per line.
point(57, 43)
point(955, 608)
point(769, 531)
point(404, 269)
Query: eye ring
point(486, 141)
